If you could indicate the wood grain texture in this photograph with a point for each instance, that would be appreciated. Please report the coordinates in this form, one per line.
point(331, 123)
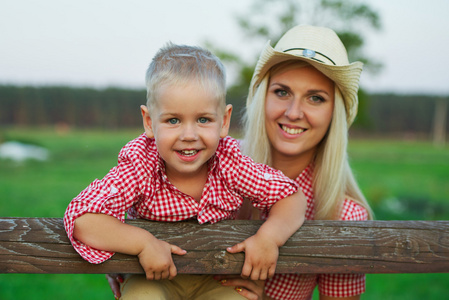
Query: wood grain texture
point(40, 245)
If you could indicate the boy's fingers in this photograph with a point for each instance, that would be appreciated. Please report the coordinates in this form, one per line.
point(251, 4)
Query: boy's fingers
point(177, 250)
point(246, 271)
point(165, 274)
point(271, 271)
point(150, 275)
point(256, 274)
point(157, 276)
point(236, 248)
point(262, 275)
point(172, 272)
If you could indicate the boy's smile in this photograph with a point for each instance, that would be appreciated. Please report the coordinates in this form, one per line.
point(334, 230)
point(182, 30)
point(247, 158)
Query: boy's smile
point(188, 155)
point(186, 122)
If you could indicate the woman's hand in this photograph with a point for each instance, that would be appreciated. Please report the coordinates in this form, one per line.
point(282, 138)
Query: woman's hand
point(114, 281)
point(250, 289)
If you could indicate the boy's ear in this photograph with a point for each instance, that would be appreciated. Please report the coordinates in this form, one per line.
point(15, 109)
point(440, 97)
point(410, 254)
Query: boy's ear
point(147, 124)
point(226, 121)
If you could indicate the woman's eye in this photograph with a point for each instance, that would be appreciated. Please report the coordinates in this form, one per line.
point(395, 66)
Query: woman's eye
point(203, 120)
point(317, 99)
point(173, 121)
point(281, 93)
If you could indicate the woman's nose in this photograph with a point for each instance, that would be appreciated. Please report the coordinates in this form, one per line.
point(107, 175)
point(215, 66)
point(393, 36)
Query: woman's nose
point(294, 110)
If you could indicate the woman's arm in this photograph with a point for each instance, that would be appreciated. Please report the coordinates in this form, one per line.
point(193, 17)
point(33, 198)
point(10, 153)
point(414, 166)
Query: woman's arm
point(254, 290)
point(250, 289)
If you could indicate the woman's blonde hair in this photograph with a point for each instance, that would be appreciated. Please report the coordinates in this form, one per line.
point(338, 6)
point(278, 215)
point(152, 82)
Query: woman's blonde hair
point(333, 180)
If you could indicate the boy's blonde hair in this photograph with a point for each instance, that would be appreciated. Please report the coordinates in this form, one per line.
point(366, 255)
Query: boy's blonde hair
point(333, 180)
point(179, 65)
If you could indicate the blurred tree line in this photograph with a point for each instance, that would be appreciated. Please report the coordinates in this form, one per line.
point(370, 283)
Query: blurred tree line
point(115, 108)
point(266, 20)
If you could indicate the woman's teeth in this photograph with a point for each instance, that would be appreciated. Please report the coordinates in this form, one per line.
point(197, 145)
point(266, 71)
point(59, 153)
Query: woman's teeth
point(292, 130)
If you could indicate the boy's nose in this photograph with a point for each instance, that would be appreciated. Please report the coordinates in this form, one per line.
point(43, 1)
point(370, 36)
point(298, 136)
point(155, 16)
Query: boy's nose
point(189, 133)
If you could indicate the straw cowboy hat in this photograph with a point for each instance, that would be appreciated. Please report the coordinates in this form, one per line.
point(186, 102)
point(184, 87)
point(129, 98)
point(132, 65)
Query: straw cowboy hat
point(323, 49)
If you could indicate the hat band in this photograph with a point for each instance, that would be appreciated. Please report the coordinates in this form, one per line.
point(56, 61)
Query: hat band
point(311, 54)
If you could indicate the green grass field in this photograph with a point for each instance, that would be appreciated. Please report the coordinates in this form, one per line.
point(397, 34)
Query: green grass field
point(402, 181)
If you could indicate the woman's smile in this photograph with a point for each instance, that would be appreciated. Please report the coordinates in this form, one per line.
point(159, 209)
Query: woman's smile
point(291, 130)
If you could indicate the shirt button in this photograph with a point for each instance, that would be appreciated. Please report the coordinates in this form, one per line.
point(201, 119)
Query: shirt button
point(267, 176)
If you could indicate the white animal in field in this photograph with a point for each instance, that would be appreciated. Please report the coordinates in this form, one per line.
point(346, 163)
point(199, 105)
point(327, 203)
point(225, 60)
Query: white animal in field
point(19, 152)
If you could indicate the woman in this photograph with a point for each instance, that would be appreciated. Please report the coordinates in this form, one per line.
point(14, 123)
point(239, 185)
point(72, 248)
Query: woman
point(302, 100)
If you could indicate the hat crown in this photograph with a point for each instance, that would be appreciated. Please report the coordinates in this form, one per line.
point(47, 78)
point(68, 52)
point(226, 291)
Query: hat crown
point(318, 43)
point(322, 49)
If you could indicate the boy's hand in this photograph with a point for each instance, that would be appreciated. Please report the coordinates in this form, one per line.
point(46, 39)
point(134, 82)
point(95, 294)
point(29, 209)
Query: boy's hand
point(262, 249)
point(156, 260)
point(261, 254)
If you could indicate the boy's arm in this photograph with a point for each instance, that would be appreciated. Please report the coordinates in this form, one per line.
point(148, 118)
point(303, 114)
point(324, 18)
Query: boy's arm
point(285, 218)
point(262, 249)
point(108, 233)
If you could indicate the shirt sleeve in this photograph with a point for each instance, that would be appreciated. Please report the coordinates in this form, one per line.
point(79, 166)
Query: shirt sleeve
point(259, 183)
point(112, 195)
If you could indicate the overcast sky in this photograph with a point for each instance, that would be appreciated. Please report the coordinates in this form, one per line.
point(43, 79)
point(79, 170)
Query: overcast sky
point(101, 43)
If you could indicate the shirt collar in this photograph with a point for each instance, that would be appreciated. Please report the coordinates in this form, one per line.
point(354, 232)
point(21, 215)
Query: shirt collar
point(306, 174)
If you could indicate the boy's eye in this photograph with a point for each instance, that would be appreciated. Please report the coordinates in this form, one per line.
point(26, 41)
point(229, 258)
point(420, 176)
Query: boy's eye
point(203, 120)
point(173, 121)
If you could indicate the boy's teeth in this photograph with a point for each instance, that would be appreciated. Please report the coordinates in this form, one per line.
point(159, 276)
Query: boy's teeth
point(188, 152)
point(292, 130)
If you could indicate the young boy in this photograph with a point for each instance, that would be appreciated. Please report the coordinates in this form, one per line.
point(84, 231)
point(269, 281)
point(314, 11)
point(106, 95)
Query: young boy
point(183, 167)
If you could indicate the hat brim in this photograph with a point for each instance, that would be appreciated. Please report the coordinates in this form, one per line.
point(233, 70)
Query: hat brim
point(346, 77)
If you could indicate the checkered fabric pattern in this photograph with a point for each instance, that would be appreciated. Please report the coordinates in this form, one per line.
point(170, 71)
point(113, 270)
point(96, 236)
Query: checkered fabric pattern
point(139, 185)
point(297, 286)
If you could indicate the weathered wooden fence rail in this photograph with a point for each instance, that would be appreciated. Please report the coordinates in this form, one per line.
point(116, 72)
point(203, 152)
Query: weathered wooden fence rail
point(40, 245)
